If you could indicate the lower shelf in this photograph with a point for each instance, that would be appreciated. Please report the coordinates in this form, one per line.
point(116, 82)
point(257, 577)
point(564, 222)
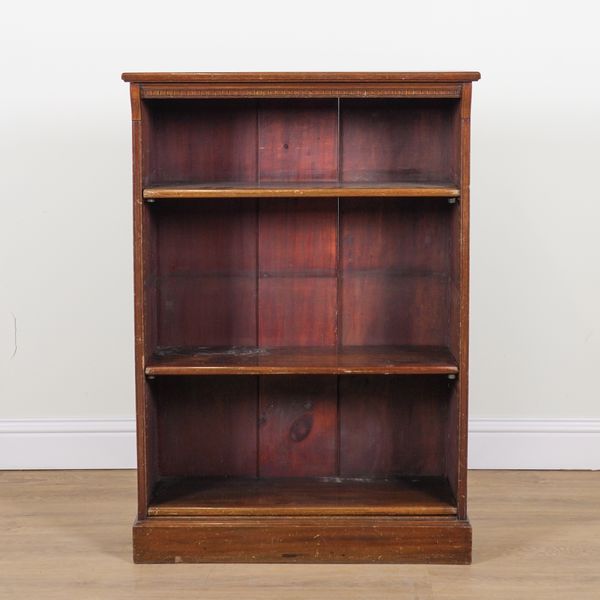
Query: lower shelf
point(330, 496)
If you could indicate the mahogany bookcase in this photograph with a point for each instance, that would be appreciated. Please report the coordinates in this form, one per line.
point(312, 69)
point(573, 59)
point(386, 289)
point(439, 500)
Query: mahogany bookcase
point(301, 316)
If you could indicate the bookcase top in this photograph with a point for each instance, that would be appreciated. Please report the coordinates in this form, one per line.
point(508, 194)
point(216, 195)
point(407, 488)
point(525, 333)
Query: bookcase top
point(305, 77)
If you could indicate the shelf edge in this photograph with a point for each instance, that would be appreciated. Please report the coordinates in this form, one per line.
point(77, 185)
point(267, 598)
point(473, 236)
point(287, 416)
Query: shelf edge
point(163, 370)
point(166, 193)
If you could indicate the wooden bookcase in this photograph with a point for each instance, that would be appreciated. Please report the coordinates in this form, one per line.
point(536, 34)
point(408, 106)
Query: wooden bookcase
point(301, 316)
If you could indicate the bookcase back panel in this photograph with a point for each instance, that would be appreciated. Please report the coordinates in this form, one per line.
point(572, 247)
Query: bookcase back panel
point(200, 140)
point(298, 236)
point(287, 140)
point(297, 311)
point(392, 310)
point(301, 426)
point(392, 425)
point(206, 426)
point(399, 140)
point(397, 235)
point(241, 141)
point(207, 311)
point(298, 426)
point(206, 283)
point(305, 272)
point(297, 261)
point(395, 269)
point(298, 140)
point(214, 236)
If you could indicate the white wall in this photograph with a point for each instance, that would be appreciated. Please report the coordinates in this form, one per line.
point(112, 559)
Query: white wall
point(65, 225)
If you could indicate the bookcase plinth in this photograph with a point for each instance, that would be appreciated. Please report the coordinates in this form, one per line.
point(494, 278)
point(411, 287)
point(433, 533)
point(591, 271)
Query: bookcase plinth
point(302, 540)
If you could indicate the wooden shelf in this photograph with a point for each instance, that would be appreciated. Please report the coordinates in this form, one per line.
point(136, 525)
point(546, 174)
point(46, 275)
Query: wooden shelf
point(295, 189)
point(383, 360)
point(406, 496)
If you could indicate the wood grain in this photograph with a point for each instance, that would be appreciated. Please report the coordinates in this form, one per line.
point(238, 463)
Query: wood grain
point(393, 425)
point(320, 540)
point(144, 263)
point(297, 429)
point(207, 273)
point(398, 140)
point(206, 426)
point(321, 189)
point(299, 77)
point(460, 406)
point(416, 496)
point(297, 286)
point(394, 271)
point(200, 141)
point(298, 140)
point(383, 360)
point(68, 533)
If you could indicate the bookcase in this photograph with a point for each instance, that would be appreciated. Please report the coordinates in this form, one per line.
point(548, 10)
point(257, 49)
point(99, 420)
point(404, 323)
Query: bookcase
point(301, 316)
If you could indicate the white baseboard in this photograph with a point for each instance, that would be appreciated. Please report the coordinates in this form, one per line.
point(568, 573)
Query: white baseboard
point(67, 444)
point(110, 444)
point(534, 444)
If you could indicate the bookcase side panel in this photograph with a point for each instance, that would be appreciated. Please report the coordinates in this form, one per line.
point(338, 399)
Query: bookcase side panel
point(458, 340)
point(144, 311)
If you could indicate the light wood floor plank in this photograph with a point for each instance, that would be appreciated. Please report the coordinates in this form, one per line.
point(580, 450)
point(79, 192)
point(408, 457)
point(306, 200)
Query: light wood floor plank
point(67, 534)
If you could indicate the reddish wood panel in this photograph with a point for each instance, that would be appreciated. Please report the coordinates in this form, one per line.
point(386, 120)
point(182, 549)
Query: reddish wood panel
point(302, 496)
point(395, 268)
point(326, 79)
point(145, 321)
point(207, 426)
point(393, 425)
point(214, 236)
point(206, 273)
point(298, 426)
point(297, 256)
point(399, 140)
point(454, 288)
point(298, 140)
point(408, 235)
point(200, 140)
point(391, 309)
point(297, 311)
point(320, 360)
point(207, 311)
point(461, 401)
point(300, 189)
point(310, 540)
point(298, 236)
point(455, 462)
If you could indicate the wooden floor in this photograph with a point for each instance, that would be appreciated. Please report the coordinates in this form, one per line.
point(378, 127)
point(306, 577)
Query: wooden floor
point(67, 534)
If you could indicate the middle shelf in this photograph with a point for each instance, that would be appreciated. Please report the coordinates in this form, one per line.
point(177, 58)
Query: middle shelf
point(302, 286)
point(363, 360)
